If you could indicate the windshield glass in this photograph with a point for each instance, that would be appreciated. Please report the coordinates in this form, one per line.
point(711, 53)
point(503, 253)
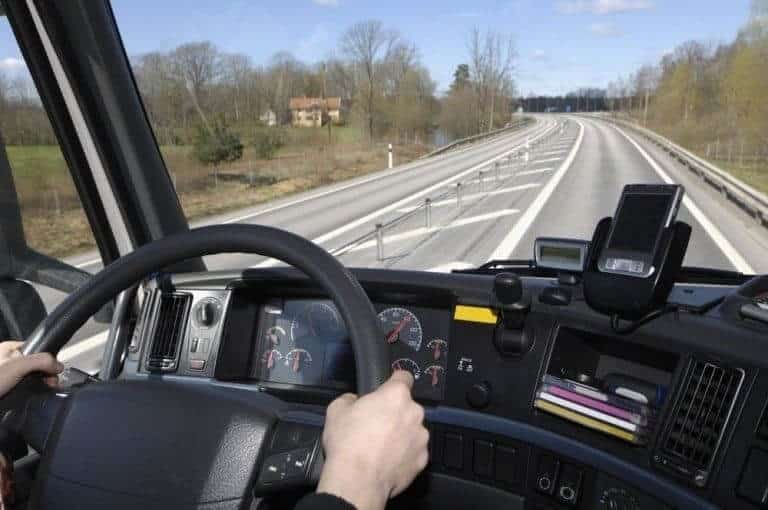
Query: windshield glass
point(442, 135)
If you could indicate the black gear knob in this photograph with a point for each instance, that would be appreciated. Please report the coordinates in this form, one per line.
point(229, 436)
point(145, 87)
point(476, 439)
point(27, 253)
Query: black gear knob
point(508, 288)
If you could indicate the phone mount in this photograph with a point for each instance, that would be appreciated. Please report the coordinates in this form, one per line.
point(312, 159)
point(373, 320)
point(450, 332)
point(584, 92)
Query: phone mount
point(629, 297)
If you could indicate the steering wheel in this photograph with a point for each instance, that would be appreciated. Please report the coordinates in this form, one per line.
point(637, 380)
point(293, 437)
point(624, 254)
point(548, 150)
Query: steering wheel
point(159, 442)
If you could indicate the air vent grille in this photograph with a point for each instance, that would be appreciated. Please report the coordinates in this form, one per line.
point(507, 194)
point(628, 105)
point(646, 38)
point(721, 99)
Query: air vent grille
point(699, 418)
point(172, 312)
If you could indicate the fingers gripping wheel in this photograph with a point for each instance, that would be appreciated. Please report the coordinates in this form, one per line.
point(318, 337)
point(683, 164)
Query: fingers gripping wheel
point(109, 406)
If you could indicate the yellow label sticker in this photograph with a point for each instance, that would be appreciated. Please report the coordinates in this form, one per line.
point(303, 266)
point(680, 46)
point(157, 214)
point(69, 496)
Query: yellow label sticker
point(480, 314)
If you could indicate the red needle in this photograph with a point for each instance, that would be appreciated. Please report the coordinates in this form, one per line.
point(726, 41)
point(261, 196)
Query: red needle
point(437, 351)
point(271, 359)
point(393, 335)
point(296, 360)
point(434, 377)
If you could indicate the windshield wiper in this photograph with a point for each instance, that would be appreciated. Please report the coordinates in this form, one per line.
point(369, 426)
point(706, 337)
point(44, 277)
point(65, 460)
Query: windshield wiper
point(525, 267)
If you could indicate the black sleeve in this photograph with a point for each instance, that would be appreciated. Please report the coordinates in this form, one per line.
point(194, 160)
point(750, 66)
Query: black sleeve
point(321, 501)
point(12, 445)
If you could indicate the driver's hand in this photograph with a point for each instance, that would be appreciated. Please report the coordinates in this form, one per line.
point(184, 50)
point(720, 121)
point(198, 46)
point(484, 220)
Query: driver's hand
point(14, 366)
point(374, 445)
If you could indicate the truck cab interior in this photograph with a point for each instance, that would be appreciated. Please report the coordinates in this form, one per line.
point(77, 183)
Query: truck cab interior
point(567, 381)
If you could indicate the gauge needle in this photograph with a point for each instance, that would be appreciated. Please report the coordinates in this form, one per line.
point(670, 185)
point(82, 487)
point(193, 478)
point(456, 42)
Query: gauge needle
point(395, 333)
point(271, 359)
point(437, 351)
point(434, 377)
point(296, 360)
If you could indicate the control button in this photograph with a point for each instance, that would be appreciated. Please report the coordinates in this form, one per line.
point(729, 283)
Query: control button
point(290, 435)
point(483, 461)
point(273, 469)
point(479, 395)
point(546, 474)
point(453, 451)
point(555, 296)
point(505, 465)
point(569, 485)
point(197, 364)
point(296, 463)
point(754, 479)
point(195, 345)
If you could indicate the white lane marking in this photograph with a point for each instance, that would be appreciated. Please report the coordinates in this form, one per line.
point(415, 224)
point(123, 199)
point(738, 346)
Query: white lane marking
point(550, 160)
point(421, 231)
point(87, 263)
point(91, 343)
point(550, 153)
point(476, 196)
point(450, 266)
point(398, 204)
point(510, 242)
point(730, 252)
point(533, 172)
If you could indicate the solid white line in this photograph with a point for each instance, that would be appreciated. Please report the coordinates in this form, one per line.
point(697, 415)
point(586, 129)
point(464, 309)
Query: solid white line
point(730, 252)
point(417, 232)
point(93, 342)
point(550, 160)
point(510, 242)
point(532, 172)
point(87, 263)
point(476, 196)
point(552, 152)
point(398, 204)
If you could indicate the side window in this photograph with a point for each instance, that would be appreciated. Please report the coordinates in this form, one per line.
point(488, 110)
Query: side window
point(46, 243)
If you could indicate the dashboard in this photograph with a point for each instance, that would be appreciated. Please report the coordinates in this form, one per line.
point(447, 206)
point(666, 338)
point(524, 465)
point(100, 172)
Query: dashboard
point(304, 342)
point(671, 416)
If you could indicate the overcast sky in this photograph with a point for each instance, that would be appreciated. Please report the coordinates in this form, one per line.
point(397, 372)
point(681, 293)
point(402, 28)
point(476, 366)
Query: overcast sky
point(561, 44)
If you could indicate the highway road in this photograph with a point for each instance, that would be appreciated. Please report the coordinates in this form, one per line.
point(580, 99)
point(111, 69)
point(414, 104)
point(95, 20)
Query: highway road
point(571, 179)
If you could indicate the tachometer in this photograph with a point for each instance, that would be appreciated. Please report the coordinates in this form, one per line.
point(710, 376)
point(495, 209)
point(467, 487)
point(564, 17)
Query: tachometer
point(401, 325)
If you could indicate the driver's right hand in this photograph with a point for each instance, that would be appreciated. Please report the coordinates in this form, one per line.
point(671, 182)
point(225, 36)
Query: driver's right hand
point(375, 445)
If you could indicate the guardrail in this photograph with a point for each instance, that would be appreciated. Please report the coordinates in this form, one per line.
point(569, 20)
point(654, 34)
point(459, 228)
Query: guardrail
point(745, 196)
point(518, 124)
point(484, 180)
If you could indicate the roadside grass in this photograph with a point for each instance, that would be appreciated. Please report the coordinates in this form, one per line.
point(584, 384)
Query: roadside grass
point(55, 224)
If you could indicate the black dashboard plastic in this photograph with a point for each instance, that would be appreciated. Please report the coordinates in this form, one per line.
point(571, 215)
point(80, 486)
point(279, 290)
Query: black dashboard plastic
point(488, 400)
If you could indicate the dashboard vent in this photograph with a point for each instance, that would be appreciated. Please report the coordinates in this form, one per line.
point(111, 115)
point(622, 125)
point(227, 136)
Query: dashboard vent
point(169, 328)
point(699, 419)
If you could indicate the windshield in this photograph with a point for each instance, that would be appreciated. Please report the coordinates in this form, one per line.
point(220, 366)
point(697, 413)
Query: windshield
point(442, 135)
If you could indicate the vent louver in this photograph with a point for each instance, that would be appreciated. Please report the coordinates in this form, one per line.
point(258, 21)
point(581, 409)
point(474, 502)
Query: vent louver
point(698, 420)
point(169, 328)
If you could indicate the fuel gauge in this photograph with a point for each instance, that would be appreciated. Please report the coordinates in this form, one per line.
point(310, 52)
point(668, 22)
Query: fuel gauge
point(437, 347)
point(435, 374)
point(297, 359)
point(407, 364)
point(270, 358)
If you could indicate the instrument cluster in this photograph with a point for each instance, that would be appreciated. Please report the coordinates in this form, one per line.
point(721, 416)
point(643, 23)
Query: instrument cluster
point(304, 342)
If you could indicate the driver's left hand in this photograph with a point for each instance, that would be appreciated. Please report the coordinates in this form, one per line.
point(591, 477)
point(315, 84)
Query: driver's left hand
point(14, 366)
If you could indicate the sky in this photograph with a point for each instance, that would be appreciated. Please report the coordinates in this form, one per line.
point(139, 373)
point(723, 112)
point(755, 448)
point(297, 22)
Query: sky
point(561, 44)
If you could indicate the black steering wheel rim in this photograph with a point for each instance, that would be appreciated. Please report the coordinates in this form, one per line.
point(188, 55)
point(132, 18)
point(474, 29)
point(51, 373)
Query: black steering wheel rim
point(371, 357)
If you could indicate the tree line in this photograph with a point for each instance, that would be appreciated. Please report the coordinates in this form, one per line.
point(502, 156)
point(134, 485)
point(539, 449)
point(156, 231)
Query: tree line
point(709, 97)
point(197, 94)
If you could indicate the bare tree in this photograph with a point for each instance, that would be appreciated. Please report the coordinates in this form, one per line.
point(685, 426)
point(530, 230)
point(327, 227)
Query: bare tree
point(196, 65)
point(368, 44)
point(491, 66)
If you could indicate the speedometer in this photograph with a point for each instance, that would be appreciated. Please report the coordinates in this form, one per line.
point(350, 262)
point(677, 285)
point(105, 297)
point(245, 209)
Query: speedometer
point(401, 325)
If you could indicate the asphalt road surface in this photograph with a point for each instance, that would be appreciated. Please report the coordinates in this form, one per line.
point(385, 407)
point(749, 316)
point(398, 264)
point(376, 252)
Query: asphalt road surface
point(573, 176)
